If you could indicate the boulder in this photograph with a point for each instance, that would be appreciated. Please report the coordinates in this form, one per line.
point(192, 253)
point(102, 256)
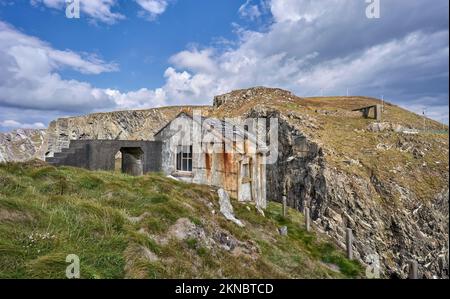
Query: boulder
point(283, 230)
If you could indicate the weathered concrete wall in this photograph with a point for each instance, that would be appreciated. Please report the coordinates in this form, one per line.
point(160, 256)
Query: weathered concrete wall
point(169, 148)
point(214, 164)
point(100, 155)
point(217, 169)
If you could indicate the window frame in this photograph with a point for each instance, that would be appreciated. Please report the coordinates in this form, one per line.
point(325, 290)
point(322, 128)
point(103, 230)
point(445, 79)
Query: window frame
point(184, 158)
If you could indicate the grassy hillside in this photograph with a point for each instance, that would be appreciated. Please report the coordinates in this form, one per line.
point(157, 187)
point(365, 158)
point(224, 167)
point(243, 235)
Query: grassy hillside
point(418, 162)
point(147, 227)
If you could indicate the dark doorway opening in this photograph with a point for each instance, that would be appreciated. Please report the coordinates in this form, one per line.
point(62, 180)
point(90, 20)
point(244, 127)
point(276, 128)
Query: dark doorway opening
point(131, 161)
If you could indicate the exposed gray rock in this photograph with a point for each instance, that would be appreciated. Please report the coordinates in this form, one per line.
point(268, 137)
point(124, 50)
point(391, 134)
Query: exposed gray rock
point(385, 126)
point(379, 127)
point(226, 241)
point(184, 229)
point(238, 96)
point(226, 208)
point(23, 145)
point(283, 230)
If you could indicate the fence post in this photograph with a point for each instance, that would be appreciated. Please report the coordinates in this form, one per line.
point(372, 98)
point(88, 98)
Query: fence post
point(284, 210)
point(413, 270)
point(349, 241)
point(441, 265)
point(307, 220)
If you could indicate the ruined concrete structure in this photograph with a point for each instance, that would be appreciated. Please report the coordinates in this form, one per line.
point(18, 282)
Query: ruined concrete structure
point(137, 157)
point(201, 151)
point(212, 152)
point(377, 111)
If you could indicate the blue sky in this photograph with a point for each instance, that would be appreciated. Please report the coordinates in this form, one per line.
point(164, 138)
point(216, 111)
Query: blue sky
point(138, 54)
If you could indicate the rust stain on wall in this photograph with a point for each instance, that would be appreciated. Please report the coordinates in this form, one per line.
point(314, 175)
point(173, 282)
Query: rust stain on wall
point(208, 165)
point(229, 171)
point(227, 163)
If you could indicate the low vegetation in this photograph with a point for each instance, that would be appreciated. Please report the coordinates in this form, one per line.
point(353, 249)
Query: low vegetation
point(147, 227)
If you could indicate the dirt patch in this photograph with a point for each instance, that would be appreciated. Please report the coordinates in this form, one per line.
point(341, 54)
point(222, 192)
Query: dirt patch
point(14, 216)
point(226, 241)
point(183, 229)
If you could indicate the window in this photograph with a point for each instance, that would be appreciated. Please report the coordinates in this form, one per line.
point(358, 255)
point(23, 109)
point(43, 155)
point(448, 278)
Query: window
point(247, 169)
point(245, 132)
point(184, 158)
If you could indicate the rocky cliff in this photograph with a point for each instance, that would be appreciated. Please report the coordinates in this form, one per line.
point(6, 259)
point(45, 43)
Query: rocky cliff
point(23, 145)
point(387, 181)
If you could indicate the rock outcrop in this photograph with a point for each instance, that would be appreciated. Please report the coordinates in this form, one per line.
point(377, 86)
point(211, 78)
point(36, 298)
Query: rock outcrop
point(226, 208)
point(23, 145)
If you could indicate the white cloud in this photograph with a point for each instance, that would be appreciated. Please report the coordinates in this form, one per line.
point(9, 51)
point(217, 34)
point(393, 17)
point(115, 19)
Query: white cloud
point(197, 61)
point(328, 45)
point(376, 66)
point(310, 46)
point(140, 99)
point(307, 10)
point(98, 10)
point(102, 10)
point(249, 10)
point(153, 8)
point(18, 44)
point(29, 78)
point(12, 124)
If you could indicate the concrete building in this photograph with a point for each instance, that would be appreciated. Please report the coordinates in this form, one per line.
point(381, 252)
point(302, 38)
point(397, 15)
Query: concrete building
point(216, 153)
point(190, 148)
point(137, 157)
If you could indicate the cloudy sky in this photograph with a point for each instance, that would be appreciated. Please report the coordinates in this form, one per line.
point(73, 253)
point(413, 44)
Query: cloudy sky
point(132, 54)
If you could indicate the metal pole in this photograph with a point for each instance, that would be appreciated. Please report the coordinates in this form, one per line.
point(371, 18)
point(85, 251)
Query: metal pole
point(413, 270)
point(307, 220)
point(284, 210)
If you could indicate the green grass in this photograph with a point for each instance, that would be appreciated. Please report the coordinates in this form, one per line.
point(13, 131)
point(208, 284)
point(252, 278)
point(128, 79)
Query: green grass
point(47, 213)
